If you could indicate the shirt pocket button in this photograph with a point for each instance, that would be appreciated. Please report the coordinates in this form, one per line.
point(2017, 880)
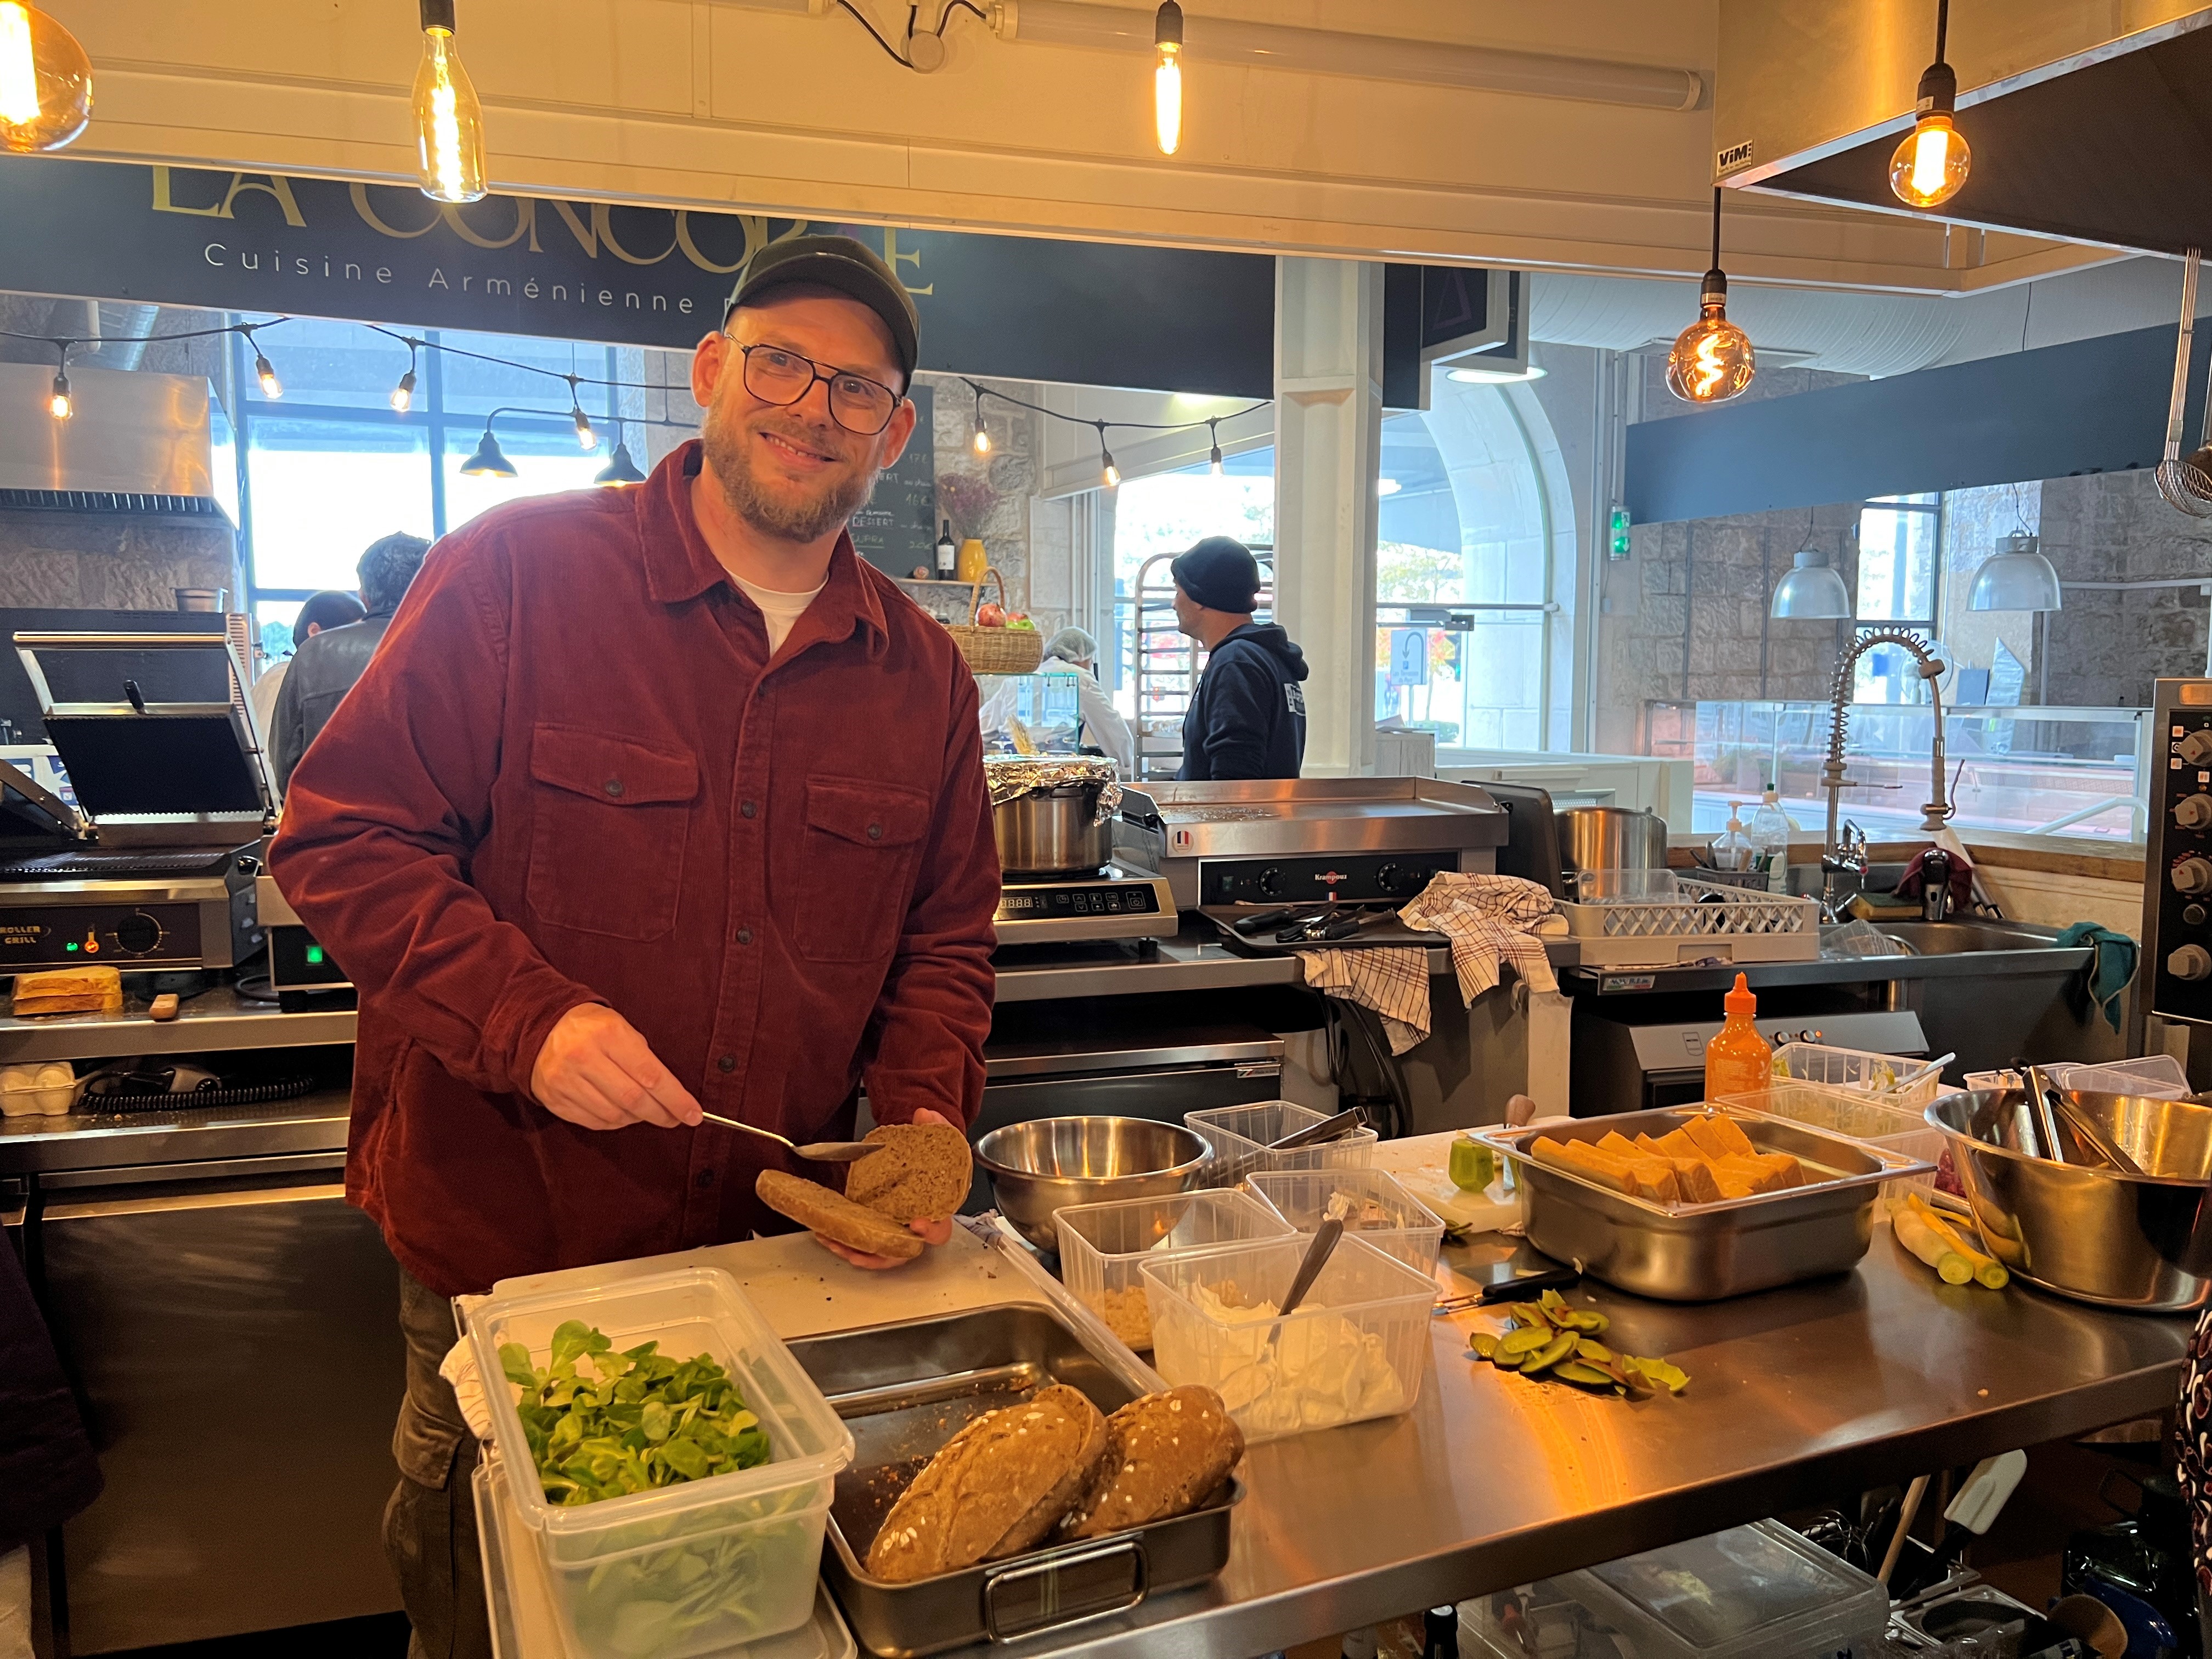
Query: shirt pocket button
point(875, 832)
point(613, 786)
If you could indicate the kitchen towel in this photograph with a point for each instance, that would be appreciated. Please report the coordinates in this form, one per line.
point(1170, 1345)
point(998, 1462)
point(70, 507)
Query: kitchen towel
point(1489, 920)
point(2110, 968)
point(1391, 979)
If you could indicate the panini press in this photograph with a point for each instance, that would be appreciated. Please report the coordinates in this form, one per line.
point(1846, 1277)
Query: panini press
point(153, 866)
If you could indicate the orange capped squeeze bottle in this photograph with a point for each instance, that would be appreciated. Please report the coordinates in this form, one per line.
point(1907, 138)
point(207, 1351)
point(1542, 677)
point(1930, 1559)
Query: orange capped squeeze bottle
point(1738, 1060)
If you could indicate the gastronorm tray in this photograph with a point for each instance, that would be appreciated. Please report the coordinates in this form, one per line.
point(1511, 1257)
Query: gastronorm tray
point(905, 1389)
point(1704, 1252)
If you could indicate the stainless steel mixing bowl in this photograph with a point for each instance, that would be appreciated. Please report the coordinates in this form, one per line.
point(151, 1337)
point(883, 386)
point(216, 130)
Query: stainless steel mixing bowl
point(1039, 1168)
point(2138, 1242)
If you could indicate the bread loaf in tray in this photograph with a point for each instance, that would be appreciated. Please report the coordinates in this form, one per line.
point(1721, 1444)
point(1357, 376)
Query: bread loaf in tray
point(1164, 1453)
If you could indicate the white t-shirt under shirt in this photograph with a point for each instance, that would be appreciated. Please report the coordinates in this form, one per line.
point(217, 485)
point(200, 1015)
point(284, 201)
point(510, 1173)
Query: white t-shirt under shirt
point(779, 610)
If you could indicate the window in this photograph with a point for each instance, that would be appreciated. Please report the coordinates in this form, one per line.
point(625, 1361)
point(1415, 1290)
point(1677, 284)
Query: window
point(1901, 562)
point(328, 468)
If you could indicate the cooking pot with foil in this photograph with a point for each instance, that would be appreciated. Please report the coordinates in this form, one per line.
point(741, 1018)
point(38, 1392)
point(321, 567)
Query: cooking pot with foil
point(1054, 814)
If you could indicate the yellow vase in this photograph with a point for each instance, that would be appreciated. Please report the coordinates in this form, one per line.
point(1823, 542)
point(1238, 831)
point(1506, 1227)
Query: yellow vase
point(974, 561)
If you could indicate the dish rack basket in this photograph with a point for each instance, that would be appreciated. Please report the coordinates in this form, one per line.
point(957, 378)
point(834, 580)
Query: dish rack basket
point(1706, 919)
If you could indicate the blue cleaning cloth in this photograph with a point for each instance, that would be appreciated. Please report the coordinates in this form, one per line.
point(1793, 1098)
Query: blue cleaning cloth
point(2110, 968)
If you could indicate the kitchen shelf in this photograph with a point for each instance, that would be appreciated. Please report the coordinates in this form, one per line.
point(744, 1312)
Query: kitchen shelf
point(215, 1020)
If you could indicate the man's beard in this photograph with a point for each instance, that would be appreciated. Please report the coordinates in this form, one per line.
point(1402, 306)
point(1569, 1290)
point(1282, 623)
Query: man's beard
point(803, 521)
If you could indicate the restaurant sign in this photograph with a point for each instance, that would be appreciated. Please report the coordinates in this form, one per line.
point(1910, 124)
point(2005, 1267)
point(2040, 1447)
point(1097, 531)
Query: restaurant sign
point(1009, 307)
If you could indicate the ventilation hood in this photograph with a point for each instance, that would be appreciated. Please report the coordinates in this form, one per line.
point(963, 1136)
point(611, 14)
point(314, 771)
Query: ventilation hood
point(2092, 123)
point(138, 442)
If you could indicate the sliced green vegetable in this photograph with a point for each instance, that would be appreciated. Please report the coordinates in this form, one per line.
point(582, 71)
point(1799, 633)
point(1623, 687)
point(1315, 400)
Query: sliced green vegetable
point(1482, 1344)
point(1527, 1339)
point(1521, 1313)
point(1574, 1371)
point(1561, 1347)
point(1473, 1166)
point(1656, 1374)
point(1588, 1320)
point(1595, 1351)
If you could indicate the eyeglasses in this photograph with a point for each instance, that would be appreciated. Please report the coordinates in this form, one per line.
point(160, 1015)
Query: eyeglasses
point(858, 404)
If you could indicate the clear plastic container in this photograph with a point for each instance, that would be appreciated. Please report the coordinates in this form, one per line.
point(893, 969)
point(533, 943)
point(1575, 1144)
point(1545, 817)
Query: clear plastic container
point(1384, 1213)
point(1240, 1136)
point(2155, 1077)
point(1858, 1071)
point(1101, 1246)
point(1877, 1120)
point(624, 1571)
point(1755, 1592)
point(1356, 1348)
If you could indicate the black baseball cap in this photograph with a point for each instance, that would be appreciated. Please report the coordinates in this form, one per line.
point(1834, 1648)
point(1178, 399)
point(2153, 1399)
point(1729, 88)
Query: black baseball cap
point(845, 264)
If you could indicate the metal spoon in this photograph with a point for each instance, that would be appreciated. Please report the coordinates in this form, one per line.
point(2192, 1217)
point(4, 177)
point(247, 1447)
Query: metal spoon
point(2102, 1144)
point(1317, 1258)
point(819, 1151)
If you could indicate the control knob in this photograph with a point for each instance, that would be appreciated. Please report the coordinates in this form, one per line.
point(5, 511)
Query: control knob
point(137, 933)
point(2193, 812)
point(1396, 878)
point(2192, 876)
point(2196, 748)
point(2190, 962)
point(1270, 883)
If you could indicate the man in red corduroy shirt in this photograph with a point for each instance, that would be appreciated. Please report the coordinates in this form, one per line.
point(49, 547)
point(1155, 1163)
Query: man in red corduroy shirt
point(653, 798)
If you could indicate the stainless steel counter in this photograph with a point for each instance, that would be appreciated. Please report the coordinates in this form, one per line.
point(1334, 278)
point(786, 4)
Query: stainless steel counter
point(213, 1021)
point(112, 1140)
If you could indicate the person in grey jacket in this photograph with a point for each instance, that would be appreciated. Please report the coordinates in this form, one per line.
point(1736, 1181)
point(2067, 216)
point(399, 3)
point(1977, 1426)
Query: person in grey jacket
point(324, 668)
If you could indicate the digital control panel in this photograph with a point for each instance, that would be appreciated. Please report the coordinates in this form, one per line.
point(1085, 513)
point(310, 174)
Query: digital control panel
point(1342, 876)
point(64, 936)
point(2178, 869)
point(1078, 899)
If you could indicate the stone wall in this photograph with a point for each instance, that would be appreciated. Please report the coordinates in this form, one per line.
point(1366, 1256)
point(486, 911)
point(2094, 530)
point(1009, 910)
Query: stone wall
point(2106, 646)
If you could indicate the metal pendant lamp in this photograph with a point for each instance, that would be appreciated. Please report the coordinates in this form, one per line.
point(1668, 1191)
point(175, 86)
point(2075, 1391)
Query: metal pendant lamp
point(1812, 590)
point(2016, 577)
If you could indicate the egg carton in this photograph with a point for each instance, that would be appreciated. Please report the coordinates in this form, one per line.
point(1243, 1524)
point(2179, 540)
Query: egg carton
point(1709, 921)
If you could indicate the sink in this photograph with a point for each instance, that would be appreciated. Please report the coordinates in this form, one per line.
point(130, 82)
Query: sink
point(1950, 939)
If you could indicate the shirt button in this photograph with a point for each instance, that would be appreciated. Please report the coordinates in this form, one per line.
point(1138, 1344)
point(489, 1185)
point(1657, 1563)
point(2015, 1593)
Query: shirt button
point(727, 1063)
point(875, 832)
point(745, 936)
point(613, 786)
point(750, 809)
point(704, 1178)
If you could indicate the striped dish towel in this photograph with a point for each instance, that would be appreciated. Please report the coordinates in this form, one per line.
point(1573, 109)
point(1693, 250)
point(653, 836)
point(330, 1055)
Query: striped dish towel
point(1392, 980)
point(1489, 920)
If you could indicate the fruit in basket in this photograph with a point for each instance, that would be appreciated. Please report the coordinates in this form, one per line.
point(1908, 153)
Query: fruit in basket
point(1018, 620)
point(990, 614)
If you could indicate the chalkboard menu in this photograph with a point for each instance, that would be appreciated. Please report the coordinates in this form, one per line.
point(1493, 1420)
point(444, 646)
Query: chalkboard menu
point(897, 529)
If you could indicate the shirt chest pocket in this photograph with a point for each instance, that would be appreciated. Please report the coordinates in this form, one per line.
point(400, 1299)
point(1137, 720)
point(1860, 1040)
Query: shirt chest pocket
point(857, 861)
point(611, 818)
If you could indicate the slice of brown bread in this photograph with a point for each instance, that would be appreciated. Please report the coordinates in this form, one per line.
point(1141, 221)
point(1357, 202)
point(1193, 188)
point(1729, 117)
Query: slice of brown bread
point(988, 1484)
point(1164, 1453)
point(833, 1215)
point(924, 1170)
point(1050, 1510)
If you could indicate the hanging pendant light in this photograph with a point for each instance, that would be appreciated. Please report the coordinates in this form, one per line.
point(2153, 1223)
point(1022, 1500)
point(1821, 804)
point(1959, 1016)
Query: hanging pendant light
point(1167, 78)
point(2016, 577)
point(448, 120)
point(488, 461)
point(1712, 360)
point(1812, 590)
point(1108, 473)
point(982, 436)
point(620, 467)
point(46, 81)
point(1931, 164)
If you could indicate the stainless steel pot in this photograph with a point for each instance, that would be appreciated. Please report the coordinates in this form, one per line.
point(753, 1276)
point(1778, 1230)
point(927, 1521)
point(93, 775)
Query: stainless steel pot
point(1052, 832)
point(1612, 838)
point(1040, 1168)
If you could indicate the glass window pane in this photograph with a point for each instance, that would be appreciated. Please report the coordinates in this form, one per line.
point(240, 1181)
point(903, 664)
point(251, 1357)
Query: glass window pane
point(348, 365)
point(323, 491)
point(470, 387)
point(1897, 560)
point(273, 620)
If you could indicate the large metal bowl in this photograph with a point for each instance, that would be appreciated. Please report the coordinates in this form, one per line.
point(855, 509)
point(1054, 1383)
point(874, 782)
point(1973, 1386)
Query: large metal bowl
point(2142, 1243)
point(1039, 1168)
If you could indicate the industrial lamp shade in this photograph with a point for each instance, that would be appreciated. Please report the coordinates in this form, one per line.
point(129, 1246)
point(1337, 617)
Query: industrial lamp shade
point(488, 461)
point(620, 467)
point(2016, 577)
point(1812, 590)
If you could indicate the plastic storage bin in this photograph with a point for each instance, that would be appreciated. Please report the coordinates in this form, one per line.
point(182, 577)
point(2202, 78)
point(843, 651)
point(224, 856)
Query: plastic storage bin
point(1384, 1213)
point(1101, 1246)
point(1858, 1071)
point(1240, 1136)
point(629, 1574)
point(2157, 1076)
point(1878, 1121)
point(1755, 1592)
point(1356, 1347)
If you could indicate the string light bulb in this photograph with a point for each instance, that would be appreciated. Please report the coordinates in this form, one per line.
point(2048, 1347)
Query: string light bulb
point(1931, 164)
point(46, 81)
point(402, 395)
point(1213, 460)
point(1167, 79)
point(585, 438)
point(1712, 360)
point(448, 120)
point(59, 403)
point(982, 438)
point(264, 370)
point(1111, 473)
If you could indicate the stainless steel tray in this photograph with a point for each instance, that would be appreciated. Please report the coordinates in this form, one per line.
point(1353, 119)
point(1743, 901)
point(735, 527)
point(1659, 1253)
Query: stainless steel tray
point(1703, 1252)
point(905, 1389)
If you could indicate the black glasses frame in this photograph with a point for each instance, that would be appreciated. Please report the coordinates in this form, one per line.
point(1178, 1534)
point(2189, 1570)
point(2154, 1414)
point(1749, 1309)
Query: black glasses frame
point(822, 375)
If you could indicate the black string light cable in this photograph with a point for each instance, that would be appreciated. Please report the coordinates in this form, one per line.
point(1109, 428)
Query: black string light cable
point(932, 57)
point(1108, 469)
point(402, 395)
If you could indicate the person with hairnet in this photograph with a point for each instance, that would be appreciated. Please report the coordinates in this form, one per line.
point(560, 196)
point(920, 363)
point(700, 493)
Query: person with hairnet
point(1101, 723)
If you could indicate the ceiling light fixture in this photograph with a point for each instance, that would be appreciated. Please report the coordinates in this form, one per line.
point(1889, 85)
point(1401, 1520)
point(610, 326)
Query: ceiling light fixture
point(46, 81)
point(1712, 360)
point(402, 395)
point(620, 467)
point(1214, 456)
point(1110, 472)
point(2016, 577)
point(1494, 376)
point(585, 438)
point(1931, 164)
point(1812, 590)
point(448, 120)
point(1167, 78)
point(59, 403)
point(982, 439)
point(488, 461)
point(264, 370)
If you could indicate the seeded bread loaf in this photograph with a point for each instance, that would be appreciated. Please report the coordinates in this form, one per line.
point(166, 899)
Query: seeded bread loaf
point(989, 1485)
point(833, 1215)
point(1164, 1453)
point(924, 1170)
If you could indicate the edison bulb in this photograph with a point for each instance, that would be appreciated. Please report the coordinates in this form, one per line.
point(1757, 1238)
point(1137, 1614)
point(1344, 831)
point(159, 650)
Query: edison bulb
point(1113, 474)
point(1712, 359)
point(59, 404)
point(448, 123)
point(1930, 164)
point(46, 81)
point(982, 442)
point(1167, 101)
point(265, 372)
point(402, 395)
point(585, 438)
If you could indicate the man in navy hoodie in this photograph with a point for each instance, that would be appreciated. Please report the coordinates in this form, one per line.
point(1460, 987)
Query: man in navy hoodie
point(1247, 715)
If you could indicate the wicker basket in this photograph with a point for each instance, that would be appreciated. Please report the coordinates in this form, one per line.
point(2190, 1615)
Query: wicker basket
point(996, 650)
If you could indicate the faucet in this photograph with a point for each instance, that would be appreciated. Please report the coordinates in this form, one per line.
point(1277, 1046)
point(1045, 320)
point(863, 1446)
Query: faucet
point(1840, 852)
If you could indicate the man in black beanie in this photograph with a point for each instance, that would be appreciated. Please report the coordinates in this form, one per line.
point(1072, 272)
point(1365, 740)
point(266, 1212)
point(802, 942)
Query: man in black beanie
point(1247, 715)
